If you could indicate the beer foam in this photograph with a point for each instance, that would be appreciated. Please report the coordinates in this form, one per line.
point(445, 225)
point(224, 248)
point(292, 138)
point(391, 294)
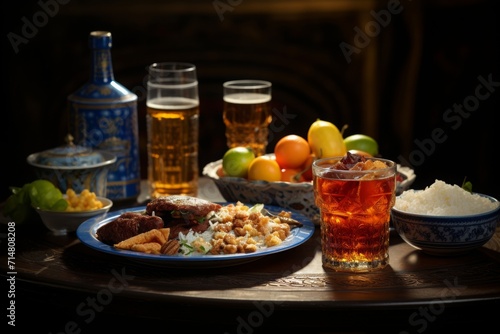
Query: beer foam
point(247, 98)
point(170, 85)
point(172, 103)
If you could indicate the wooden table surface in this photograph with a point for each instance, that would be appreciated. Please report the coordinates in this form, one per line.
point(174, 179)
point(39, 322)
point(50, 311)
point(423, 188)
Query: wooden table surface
point(73, 287)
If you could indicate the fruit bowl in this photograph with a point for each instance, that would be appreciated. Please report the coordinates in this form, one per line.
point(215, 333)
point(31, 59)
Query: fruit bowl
point(445, 235)
point(62, 222)
point(297, 197)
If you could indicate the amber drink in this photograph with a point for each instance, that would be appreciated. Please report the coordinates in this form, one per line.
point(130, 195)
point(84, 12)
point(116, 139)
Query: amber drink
point(172, 129)
point(247, 114)
point(355, 196)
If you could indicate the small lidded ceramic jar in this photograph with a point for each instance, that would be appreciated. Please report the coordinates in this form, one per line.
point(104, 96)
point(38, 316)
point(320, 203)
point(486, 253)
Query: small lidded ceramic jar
point(69, 155)
point(75, 167)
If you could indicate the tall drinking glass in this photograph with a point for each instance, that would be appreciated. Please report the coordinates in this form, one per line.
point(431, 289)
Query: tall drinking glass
point(247, 114)
point(355, 206)
point(172, 129)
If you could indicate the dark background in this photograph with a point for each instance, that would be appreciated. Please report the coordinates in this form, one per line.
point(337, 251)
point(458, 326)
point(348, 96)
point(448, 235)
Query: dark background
point(396, 88)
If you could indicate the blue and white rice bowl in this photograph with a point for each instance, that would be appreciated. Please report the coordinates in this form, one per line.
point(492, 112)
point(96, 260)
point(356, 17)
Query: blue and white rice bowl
point(446, 234)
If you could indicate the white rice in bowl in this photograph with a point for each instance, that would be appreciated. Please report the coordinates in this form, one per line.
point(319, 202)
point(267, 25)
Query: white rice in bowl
point(442, 199)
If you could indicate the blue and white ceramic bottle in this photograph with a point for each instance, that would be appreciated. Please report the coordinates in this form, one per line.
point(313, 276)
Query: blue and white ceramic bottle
point(103, 115)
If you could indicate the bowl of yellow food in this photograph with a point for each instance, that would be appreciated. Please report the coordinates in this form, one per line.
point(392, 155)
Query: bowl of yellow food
point(80, 207)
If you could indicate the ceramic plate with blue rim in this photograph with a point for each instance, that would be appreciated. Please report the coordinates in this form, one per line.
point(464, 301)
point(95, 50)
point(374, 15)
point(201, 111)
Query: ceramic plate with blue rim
point(86, 232)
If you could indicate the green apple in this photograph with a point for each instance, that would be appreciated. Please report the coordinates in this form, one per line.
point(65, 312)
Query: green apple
point(236, 160)
point(362, 143)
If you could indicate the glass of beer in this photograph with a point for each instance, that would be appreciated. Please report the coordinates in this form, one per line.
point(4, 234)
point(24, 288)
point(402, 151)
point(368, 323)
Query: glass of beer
point(172, 129)
point(355, 195)
point(247, 114)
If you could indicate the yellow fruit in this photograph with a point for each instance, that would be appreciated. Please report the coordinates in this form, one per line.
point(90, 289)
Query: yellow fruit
point(264, 168)
point(325, 140)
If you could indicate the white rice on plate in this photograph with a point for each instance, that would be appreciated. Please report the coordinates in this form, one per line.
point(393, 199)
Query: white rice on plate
point(442, 199)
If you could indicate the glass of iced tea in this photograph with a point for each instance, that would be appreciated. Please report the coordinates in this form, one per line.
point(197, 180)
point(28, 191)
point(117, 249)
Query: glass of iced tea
point(355, 195)
point(172, 121)
point(247, 113)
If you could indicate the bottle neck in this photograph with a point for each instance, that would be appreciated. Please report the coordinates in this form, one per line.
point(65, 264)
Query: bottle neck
point(101, 66)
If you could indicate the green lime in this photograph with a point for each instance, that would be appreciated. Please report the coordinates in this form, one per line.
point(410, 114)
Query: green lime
point(236, 160)
point(37, 194)
point(44, 194)
point(361, 142)
point(18, 205)
point(60, 205)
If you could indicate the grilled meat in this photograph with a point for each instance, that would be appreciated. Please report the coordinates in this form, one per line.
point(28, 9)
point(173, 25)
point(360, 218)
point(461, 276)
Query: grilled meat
point(182, 213)
point(127, 225)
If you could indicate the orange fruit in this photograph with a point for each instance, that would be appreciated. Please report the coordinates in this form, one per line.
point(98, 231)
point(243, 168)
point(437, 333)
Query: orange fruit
point(292, 151)
point(292, 175)
point(306, 169)
point(264, 168)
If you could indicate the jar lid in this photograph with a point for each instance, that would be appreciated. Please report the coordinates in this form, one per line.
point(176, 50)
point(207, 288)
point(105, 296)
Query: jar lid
point(69, 155)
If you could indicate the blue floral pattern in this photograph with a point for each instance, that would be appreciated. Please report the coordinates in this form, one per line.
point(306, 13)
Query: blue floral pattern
point(443, 234)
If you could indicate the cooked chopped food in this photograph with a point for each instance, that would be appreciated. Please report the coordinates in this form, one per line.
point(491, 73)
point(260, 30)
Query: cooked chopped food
point(194, 226)
point(236, 228)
